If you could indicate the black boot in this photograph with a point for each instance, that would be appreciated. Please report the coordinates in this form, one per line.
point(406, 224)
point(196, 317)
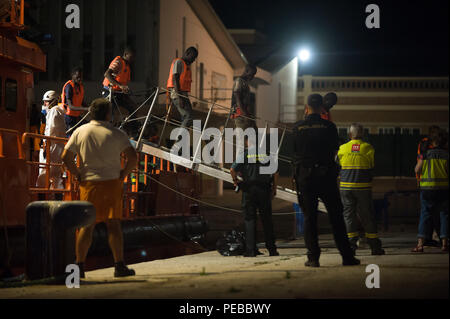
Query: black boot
point(350, 261)
point(353, 244)
point(375, 246)
point(257, 251)
point(273, 252)
point(312, 263)
point(122, 271)
point(250, 254)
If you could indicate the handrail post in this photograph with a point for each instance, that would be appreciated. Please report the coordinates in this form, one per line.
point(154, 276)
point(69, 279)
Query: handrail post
point(281, 142)
point(165, 122)
point(224, 127)
point(201, 135)
point(47, 165)
point(138, 144)
point(264, 136)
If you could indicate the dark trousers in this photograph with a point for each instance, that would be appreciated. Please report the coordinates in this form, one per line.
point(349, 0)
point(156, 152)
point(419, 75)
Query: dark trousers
point(259, 198)
point(325, 188)
point(71, 121)
point(184, 107)
point(123, 100)
point(359, 203)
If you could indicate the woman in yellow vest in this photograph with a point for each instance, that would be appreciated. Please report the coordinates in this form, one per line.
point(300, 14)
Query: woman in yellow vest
point(433, 170)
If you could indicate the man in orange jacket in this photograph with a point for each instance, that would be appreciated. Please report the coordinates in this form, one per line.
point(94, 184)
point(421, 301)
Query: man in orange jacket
point(118, 76)
point(179, 84)
point(72, 98)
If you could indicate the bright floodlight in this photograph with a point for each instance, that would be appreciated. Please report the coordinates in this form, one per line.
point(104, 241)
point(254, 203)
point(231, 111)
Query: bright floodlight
point(304, 55)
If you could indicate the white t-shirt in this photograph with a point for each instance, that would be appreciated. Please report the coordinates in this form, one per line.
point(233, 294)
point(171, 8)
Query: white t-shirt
point(99, 146)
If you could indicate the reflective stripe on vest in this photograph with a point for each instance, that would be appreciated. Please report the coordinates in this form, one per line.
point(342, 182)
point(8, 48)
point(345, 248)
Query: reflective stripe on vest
point(185, 77)
point(77, 98)
point(356, 159)
point(434, 170)
point(123, 77)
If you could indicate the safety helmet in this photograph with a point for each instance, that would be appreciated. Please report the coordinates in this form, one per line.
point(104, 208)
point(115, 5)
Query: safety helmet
point(50, 96)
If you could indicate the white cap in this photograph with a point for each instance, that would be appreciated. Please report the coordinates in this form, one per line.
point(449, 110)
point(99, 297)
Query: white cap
point(49, 96)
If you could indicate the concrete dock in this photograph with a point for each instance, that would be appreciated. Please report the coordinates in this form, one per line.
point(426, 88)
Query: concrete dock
point(210, 275)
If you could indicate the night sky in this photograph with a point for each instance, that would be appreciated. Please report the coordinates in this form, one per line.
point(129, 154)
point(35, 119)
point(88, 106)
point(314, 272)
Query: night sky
point(412, 40)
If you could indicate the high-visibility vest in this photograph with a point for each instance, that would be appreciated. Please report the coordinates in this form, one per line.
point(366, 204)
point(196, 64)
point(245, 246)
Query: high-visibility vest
point(185, 77)
point(77, 98)
point(357, 162)
point(434, 173)
point(123, 77)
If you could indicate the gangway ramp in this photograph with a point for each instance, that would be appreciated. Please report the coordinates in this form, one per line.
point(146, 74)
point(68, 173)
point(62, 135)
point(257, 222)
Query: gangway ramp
point(215, 172)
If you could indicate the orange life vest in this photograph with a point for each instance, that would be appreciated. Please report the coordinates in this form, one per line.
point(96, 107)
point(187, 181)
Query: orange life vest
point(123, 77)
point(77, 98)
point(185, 77)
point(325, 115)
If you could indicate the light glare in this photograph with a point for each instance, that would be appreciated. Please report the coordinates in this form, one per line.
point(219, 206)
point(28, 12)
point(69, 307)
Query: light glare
point(304, 55)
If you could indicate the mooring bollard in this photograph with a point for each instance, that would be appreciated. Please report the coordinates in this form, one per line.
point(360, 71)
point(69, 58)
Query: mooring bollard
point(50, 235)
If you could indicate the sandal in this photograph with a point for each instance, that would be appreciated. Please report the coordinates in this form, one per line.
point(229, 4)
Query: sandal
point(417, 249)
point(444, 248)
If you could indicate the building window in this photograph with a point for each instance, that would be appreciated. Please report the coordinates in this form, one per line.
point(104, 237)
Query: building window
point(11, 95)
point(386, 130)
point(406, 131)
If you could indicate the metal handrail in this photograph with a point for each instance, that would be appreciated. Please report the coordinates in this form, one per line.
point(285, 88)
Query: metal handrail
point(47, 165)
point(212, 105)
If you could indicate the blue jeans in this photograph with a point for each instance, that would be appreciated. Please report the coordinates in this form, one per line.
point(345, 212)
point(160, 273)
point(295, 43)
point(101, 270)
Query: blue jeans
point(433, 201)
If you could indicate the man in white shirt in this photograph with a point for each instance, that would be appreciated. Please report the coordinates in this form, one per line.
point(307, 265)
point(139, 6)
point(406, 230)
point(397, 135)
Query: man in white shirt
point(98, 146)
point(54, 126)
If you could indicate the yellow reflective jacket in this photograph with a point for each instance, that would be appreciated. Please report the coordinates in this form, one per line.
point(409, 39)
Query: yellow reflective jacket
point(357, 160)
point(434, 173)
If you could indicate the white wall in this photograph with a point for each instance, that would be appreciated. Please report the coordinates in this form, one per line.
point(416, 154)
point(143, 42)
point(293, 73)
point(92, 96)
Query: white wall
point(280, 93)
point(171, 40)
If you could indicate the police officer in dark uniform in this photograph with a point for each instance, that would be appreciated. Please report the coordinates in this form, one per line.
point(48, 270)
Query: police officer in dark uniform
point(315, 147)
point(257, 193)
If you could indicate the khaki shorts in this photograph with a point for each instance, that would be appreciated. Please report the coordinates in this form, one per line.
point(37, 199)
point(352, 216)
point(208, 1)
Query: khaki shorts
point(106, 196)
